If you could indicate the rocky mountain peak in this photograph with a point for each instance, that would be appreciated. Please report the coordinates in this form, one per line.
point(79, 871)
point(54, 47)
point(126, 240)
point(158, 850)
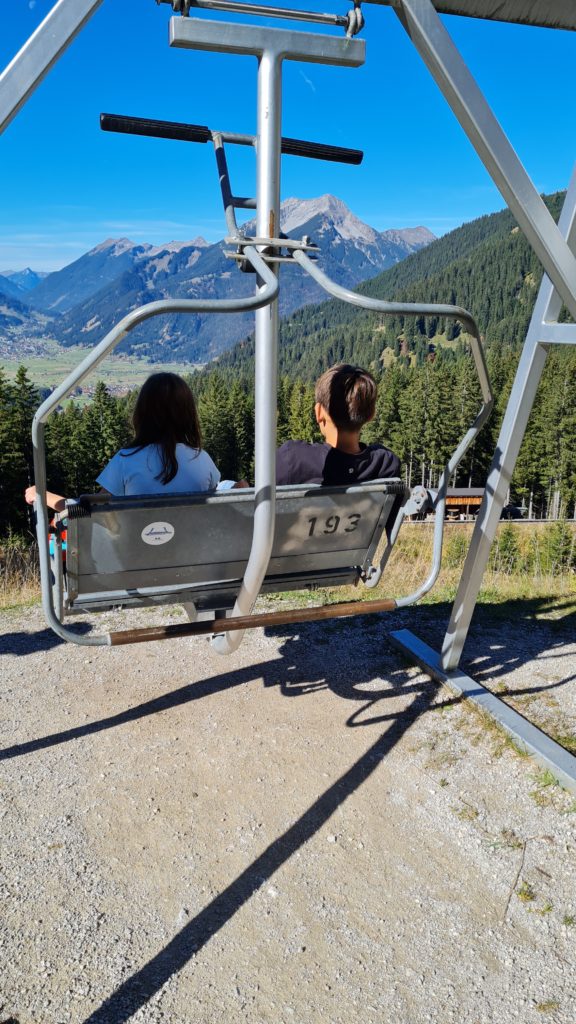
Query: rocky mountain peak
point(196, 243)
point(294, 213)
point(117, 247)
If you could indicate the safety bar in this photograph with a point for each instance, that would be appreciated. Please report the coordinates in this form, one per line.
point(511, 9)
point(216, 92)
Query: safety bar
point(263, 297)
point(200, 133)
point(417, 309)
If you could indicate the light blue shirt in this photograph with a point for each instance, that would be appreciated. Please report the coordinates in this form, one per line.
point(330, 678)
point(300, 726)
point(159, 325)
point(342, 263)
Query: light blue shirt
point(139, 473)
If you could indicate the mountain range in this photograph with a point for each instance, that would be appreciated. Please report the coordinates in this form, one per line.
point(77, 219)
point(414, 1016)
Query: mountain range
point(486, 266)
point(81, 302)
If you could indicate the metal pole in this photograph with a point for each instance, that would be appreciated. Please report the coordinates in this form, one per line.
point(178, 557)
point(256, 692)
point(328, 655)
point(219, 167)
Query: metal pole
point(266, 374)
point(40, 52)
point(532, 361)
point(263, 11)
point(236, 624)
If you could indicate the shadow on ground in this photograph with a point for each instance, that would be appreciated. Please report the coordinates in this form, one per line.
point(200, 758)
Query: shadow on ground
point(352, 658)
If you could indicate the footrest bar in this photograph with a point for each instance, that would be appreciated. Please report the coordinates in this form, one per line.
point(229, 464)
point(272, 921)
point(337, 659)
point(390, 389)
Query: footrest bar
point(280, 618)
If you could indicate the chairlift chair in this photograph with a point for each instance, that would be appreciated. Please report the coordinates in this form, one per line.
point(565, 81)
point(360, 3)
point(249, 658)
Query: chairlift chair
point(184, 567)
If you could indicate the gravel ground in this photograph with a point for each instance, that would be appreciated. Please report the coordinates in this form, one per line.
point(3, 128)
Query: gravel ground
point(309, 832)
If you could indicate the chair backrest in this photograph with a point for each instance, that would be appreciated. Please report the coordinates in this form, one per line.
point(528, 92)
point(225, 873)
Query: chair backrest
point(151, 549)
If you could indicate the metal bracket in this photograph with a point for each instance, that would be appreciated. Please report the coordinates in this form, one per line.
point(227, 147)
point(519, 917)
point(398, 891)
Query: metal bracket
point(353, 22)
point(420, 500)
point(270, 250)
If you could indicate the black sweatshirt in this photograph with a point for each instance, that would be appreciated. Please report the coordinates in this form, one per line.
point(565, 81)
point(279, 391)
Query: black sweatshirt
point(299, 462)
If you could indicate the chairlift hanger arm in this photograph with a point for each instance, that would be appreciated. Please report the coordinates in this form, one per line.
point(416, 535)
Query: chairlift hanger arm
point(404, 309)
point(200, 133)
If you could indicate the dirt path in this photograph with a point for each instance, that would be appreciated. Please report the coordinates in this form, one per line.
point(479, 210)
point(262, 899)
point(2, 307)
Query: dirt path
point(309, 832)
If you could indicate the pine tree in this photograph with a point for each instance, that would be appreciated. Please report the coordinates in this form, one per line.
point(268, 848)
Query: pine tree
point(241, 413)
point(18, 403)
point(217, 433)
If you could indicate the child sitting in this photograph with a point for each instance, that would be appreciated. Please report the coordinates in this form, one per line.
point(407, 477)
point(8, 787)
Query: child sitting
point(345, 402)
point(166, 455)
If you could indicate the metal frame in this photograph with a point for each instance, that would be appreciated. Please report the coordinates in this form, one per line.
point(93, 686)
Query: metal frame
point(33, 62)
point(271, 47)
point(266, 293)
point(555, 245)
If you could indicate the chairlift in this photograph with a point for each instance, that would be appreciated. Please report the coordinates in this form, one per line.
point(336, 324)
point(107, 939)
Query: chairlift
point(140, 551)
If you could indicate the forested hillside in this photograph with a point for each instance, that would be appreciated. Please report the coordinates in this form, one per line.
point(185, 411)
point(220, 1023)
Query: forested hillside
point(428, 394)
point(486, 266)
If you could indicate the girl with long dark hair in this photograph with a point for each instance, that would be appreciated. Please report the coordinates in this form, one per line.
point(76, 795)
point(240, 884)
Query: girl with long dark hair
point(166, 455)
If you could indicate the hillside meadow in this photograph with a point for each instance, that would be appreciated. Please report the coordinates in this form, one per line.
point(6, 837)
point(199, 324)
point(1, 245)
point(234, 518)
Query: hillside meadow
point(528, 560)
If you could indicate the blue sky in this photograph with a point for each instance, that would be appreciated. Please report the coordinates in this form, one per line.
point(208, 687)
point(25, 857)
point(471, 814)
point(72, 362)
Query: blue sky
point(65, 185)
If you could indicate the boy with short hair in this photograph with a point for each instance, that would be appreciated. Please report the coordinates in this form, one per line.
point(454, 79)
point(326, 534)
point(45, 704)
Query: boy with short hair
point(345, 401)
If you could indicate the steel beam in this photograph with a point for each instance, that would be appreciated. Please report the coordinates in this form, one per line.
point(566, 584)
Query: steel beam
point(545, 751)
point(462, 93)
point(41, 51)
point(558, 334)
point(224, 37)
point(530, 368)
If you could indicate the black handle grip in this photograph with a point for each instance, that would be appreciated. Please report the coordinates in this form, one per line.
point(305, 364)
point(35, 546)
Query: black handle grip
point(199, 133)
point(155, 129)
point(318, 151)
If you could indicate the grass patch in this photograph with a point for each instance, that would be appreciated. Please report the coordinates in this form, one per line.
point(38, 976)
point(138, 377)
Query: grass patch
point(467, 813)
point(546, 909)
point(525, 893)
point(509, 839)
point(19, 573)
point(545, 778)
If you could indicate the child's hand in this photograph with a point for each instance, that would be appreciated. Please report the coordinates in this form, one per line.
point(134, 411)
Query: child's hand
point(30, 494)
